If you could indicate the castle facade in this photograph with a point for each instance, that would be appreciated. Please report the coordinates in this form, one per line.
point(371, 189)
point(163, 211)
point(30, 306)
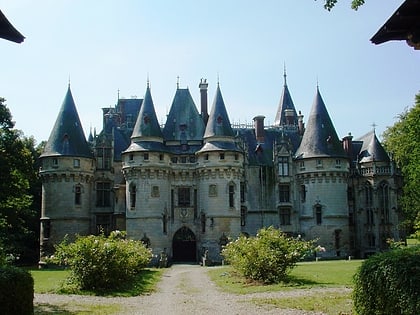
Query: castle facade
point(187, 187)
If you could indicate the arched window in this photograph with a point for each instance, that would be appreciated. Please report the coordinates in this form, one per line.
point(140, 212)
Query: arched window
point(133, 192)
point(231, 195)
point(318, 214)
point(78, 195)
point(383, 196)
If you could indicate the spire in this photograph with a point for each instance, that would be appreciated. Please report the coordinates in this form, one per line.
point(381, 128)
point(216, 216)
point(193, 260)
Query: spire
point(147, 126)
point(218, 124)
point(320, 138)
point(67, 137)
point(286, 112)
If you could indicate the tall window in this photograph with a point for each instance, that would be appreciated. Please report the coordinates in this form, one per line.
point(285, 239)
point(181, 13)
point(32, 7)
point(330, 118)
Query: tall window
point(133, 193)
point(383, 196)
point(369, 204)
point(103, 158)
point(283, 166)
point(103, 194)
point(242, 191)
point(318, 214)
point(184, 197)
point(302, 193)
point(243, 216)
point(77, 195)
point(284, 193)
point(284, 216)
point(231, 196)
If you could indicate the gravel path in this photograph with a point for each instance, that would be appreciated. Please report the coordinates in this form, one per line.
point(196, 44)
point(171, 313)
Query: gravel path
point(184, 289)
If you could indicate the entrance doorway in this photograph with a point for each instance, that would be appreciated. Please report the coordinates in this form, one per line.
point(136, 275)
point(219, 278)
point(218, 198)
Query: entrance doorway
point(184, 245)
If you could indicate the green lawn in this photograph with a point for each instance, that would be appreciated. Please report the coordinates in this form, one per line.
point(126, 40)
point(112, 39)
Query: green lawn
point(306, 275)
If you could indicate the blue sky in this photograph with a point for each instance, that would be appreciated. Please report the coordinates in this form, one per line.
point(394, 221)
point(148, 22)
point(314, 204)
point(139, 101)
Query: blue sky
point(105, 46)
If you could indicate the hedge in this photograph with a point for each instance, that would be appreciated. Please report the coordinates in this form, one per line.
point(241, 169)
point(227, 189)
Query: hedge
point(388, 283)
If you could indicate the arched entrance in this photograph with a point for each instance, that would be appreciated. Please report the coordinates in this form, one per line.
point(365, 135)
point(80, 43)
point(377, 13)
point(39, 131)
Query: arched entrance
point(184, 247)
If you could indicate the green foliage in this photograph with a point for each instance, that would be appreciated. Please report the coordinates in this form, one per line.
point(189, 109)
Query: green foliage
point(402, 140)
point(355, 4)
point(100, 263)
point(268, 256)
point(16, 291)
point(391, 280)
point(19, 183)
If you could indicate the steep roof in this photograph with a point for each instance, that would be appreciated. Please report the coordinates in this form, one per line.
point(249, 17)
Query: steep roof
point(67, 137)
point(8, 31)
point(372, 149)
point(184, 122)
point(286, 103)
point(320, 138)
point(218, 124)
point(147, 126)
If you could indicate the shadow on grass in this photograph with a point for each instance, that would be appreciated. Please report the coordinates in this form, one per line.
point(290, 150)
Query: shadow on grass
point(294, 281)
point(46, 308)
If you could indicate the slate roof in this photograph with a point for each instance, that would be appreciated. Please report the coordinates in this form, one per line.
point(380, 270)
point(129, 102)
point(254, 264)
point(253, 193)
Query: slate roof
point(67, 137)
point(320, 138)
point(285, 103)
point(183, 122)
point(218, 124)
point(8, 31)
point(147, 126)
point(371, 149)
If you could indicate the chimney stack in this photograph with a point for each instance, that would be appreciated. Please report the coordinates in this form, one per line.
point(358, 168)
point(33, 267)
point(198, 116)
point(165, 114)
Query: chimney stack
point(259, 128)
point(301, 124)
point(348, 144)
point(204, 105)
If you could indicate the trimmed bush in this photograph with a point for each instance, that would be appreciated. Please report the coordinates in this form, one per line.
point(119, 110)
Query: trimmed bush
point(16, 291)
point(268, 256)
point(388, 283)
point(100, 263)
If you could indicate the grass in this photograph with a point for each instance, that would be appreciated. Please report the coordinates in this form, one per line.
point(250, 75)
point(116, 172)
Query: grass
point(306, 275)
point(78, 309)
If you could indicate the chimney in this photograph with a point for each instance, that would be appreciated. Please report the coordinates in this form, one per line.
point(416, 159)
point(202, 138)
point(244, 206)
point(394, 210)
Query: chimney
point(204, 106)
point(290, 116)
point(348, 144)
point(301, 124)
point(259, 128)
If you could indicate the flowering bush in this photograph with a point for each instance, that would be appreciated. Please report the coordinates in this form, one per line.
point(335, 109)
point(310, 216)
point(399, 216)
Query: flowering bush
point(268, 256)
point(101, 263)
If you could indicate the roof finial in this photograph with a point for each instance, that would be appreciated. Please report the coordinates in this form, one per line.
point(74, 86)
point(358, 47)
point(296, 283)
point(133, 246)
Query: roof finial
point(374, 126)
point(284, 74)
point(69, 80)
point(177, 82)
point(317, 83)
point(218, 79)
point(118, 94)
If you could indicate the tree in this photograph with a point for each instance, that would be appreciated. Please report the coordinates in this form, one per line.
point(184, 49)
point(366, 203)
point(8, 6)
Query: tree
point(355, 4)
point(402, 140)
point(18, 182)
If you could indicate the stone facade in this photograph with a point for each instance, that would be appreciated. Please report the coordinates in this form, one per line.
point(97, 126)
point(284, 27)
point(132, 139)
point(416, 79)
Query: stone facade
point(186, 187)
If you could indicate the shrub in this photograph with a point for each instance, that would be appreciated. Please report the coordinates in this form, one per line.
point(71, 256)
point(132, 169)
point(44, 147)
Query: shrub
point(16, 291)
point(388, 283)
point(102, 263)
point(268, 256)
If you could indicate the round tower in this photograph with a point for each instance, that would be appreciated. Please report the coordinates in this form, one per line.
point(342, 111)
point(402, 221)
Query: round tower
point(67, 172)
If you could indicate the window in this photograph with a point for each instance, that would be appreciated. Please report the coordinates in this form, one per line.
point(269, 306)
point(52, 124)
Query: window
point(184, 198)
point(161, 157)
point(243, 216)
point(206, 157)
point(222, 156)
point(103, 158)
point(76, 163)
point(283, 166)
point(103, 194)
point(131, 157)
point(155, 192)
point(77, 195)
point(337, 163)
point(369, 204)
point(133, 194)
point(236, 156)
point(212, 190)
point(183, 159)
point(318, 163)
point(46, 227)
point(55, 162)
point(318, 214)
point(231, 196)
point(383, 196)
point(146, 156)
point(242, 191)
point(103, 224)
point(174, 159)
point(285, 214)
point(371, 240)
point(302, 193)
point(302, 165)
point(284, 193)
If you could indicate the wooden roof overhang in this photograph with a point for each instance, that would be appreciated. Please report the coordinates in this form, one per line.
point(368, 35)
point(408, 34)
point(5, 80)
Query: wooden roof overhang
point(404, 24)
point(7, 30)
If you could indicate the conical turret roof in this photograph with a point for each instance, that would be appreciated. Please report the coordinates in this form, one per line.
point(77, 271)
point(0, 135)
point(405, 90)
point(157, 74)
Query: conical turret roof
point(147, 126)
point(320, 138)
point(184, 122)
point(67, 137)
point(285, 104)
point(218, 124)
point(372, 149)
